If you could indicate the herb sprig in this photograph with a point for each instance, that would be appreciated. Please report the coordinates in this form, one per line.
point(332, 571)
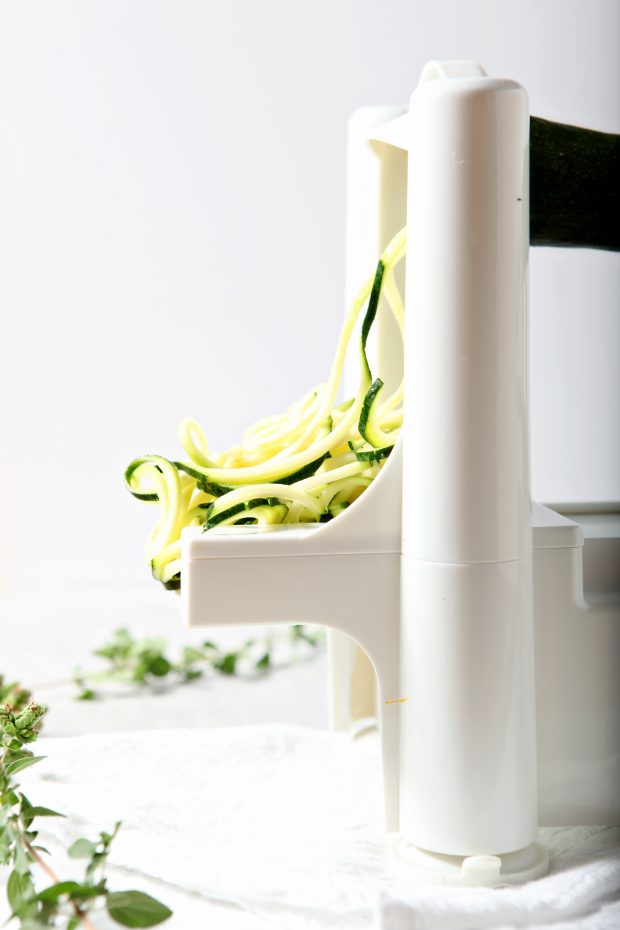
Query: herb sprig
point(65, 905)
point(145, 662)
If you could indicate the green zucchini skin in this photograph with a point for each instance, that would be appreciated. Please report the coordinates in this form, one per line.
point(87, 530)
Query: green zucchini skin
point(368, 453)
point(306, 472)
point(574, 186)
point(373, 303)
point(209, 487)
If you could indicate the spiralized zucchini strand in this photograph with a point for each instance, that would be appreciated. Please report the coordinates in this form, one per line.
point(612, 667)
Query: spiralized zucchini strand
point(306, 464)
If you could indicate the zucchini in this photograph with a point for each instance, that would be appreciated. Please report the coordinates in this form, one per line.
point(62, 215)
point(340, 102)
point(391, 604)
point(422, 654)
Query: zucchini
point(310, 462)
point(369, 425)
point(364, 452)
point(304, 465)
point(264, 514)
point(208, 487)
point(574, 189)
point(341, 494)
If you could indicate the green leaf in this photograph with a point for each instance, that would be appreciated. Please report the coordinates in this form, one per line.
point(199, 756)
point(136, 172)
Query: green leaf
point(136, 909)
point(74, 891)
point(84, 892)
point(19, 890)
point(191, 654)
point(228, 664)
point(106, 838)
point(19, 764)
point(82, 849)
point(21, 859)
point(264, 662)
point(96, 862)
point(54, 892)
point(43, 812)
point(159, 666)
point(14, 889)
point(87, 694)
point(140, 672)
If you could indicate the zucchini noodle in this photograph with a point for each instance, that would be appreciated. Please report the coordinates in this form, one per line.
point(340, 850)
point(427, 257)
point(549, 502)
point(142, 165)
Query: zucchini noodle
point(305, 465)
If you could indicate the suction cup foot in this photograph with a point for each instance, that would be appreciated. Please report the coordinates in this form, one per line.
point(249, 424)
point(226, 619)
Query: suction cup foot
point(418, 866)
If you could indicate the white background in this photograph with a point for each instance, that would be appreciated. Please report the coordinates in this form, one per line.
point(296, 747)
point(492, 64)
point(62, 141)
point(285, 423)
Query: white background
point(172, 203)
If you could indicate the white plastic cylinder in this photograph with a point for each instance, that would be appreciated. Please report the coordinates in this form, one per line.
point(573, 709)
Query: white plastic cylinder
point(468, 742)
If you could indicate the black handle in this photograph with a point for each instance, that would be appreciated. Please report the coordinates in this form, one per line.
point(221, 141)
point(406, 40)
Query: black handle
point(574, 186)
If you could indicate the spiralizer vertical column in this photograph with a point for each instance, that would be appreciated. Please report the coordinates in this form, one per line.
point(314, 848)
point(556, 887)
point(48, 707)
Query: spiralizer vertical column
point(468, 751)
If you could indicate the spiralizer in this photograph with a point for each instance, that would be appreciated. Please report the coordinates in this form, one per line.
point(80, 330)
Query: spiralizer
point(495, 675)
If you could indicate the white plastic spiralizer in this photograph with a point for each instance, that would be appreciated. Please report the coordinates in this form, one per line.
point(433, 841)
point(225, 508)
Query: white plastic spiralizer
point(492, 624)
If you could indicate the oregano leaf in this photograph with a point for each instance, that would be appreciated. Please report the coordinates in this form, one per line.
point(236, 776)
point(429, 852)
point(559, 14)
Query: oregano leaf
point(51, 894)
point(264, 662)
point(21, 859)
point(159, 666)
point(19, 890)
point(12, 768)
point(87, 694)
point(136, 909)
point(43, 812)
point(82, 849)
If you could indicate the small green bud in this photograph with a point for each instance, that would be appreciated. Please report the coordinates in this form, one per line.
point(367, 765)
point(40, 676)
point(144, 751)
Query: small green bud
point(28, 718)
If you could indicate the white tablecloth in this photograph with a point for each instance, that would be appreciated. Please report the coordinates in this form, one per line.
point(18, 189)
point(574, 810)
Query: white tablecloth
point(280, 826)
point(258, 825)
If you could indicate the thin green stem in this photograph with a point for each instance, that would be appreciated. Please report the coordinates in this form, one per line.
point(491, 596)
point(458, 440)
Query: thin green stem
point(79, 913)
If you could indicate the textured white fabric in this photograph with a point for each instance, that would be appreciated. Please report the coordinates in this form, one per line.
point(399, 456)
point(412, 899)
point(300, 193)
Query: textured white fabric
point(280, 822)
point(281, 827)
point(247, 827)
point(581, 890)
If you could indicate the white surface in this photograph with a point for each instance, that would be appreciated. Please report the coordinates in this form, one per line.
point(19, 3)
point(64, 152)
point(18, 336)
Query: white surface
point(249, 827)
point(281, 827)
point(582, 891)
point(174, 173)
point(265, 819)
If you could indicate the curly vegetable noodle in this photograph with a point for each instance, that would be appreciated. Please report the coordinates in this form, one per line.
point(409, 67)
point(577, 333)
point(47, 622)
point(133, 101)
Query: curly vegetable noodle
point(305, 465)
